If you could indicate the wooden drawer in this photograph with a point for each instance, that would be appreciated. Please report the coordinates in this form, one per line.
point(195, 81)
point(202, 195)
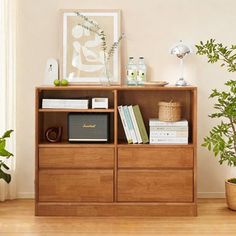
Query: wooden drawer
point(76, 185)
point(74, 157)
point(155, 185)
point(156, 157)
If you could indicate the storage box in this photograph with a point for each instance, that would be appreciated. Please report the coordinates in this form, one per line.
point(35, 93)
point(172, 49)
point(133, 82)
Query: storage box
point(100, 103)
point(86, 127)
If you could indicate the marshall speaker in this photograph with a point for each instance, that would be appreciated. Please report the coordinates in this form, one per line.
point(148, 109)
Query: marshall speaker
point(88, 127)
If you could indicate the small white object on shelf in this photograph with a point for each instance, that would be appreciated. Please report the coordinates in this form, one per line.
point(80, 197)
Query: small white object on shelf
point(101, 103)
point(51, 71)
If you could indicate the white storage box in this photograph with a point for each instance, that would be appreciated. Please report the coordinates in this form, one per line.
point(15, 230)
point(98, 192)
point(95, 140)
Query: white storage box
point(100, 103)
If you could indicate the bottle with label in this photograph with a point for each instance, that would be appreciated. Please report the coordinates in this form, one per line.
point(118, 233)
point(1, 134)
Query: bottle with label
point(131, 72)
point(141, 71)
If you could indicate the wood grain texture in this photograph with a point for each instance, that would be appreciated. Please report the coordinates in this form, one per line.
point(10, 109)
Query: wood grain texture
point(155, 158)
point(76, 185)
point(75, 157)
point(155, 185)
point(17, 219)
point(117, 209)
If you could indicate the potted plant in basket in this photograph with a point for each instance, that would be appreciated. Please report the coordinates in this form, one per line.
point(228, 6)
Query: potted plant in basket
point(4, 154)
point(222, 138)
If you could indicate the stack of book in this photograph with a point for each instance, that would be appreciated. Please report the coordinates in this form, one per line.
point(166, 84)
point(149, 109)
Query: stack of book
point(168, 132)
point(65, 103)
point(132, 121)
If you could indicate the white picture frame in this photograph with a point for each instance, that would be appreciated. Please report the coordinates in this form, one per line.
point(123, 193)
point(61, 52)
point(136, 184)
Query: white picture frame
point(77, 58)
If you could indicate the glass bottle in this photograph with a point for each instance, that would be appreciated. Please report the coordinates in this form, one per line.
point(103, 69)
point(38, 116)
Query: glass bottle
point(141, 71)
point(131, 72)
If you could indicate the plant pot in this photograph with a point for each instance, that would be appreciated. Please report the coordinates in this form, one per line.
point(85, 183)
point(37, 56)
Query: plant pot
point(230, 191)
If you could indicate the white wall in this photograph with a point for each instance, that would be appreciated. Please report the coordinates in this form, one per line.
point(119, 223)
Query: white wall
point(151, 27)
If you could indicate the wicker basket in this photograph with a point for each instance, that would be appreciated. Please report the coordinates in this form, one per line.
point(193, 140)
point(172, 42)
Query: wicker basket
point(230, 191)
point(169, 111)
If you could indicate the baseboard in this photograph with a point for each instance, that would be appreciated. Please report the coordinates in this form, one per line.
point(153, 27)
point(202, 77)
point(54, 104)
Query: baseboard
point(25, 195)
point(211, 195)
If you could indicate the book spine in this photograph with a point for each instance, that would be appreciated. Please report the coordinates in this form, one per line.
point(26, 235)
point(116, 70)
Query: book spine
point(140, 123)
point(170, 134)
point(124, 123)
point(130, 125)
point(162, 123)
point(135, 125)
point(169, 140)
point(169, 128)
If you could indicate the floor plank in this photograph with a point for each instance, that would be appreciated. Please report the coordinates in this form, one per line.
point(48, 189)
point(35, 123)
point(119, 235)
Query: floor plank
point(17, 218)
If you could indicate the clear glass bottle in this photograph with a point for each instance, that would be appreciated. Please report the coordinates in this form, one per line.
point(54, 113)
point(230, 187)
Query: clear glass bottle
point(131, 72)
point(141, 72)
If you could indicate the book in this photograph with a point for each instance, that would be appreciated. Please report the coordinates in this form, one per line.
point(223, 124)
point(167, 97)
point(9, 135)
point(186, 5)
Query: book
point(141, 126)
point(180, 140)
point(135, 125)
point(125, 126)
point(170, 134)
point(169, 128)
point(65, 103)
point(130, 124)
point(157, 122)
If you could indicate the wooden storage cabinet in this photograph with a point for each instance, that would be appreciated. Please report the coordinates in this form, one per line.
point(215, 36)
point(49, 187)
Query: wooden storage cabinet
point(115, 178)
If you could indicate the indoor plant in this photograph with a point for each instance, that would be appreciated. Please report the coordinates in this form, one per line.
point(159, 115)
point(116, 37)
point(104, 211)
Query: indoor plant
point(4, 154)
point(222, 138)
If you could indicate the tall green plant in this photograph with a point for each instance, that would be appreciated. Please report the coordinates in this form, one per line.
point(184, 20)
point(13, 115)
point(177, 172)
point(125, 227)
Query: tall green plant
point(222, 138)
point(4, 154)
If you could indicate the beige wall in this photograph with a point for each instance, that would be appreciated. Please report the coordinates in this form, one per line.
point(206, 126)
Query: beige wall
point(151, 27)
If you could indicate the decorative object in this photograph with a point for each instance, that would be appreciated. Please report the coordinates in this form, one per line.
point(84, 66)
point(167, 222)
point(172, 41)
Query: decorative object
point(53, 134)
point(51, 71)
point(156, 83)
point(141, 71)
point(222, 137)
point(169, 111)
point(90, 42)
point(5, 154)
point(181, 50)
point(100, 103)
point(131, 72)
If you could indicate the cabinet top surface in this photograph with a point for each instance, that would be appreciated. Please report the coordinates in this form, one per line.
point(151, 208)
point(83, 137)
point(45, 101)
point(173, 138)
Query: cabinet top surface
point(116, 87)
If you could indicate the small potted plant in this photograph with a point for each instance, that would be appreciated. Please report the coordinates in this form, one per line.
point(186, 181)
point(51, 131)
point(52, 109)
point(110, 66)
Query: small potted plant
point(222, 138)
point(4, 154)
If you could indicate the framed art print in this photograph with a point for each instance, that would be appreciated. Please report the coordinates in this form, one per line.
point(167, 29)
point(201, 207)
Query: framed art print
point(82, 54)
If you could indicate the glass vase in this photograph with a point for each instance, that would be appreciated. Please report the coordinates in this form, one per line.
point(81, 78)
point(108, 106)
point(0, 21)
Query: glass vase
point(105, 76)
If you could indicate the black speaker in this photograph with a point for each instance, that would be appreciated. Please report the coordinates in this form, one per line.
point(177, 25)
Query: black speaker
point(88, 127)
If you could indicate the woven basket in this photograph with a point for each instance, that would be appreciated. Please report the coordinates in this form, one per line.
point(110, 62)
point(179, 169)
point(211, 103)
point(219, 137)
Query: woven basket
point(169, 111)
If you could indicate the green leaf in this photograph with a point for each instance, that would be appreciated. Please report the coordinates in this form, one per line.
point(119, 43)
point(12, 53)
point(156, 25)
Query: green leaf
point(5, 176)
point(5, 166)
point(7, 134)
point(5, 153)
point(2, 144)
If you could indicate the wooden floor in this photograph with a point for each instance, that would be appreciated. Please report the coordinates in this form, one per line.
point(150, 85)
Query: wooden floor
point(17, 218)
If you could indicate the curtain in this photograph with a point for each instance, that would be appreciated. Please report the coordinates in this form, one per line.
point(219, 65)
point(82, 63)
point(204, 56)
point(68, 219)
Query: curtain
point(7, 88)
